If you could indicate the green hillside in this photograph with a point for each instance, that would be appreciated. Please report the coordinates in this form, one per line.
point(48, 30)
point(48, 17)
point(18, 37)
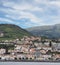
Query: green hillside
point(11, 31)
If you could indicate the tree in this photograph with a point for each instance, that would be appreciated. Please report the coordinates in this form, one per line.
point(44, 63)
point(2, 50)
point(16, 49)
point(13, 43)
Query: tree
point(7, 47)
point(50, 44)
point(49, 52)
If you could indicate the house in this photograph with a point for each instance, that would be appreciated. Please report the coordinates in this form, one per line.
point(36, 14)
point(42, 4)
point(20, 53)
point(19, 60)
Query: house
point(56, 47)
point(2, 58)
point(8, 57)
point(32, 50)
point(42, 51)
point(1, 34)
point(39, 47)
point(56, 56)
point(46, 57)
point(47, 48)
point(2, 51)
point(30, 57)
point(46, 43)
point(18, 47)
point(21, 56)
point(12, 57)
point(37, 53)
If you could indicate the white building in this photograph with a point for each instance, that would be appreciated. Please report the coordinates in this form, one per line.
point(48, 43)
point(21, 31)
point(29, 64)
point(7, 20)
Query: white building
point(2, 51)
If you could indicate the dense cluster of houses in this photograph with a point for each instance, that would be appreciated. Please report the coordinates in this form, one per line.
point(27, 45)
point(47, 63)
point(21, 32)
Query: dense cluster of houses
point(31, 48)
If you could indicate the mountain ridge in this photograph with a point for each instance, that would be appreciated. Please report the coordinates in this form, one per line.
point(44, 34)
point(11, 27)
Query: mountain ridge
point(49, 31)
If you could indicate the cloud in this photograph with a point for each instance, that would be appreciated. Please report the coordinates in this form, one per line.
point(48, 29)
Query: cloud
point(19, 11)
point(21, 6)
point(37, 12)
point(47, 3)
point(25, 15)
point(6, 20)
point(30, 16)
point(56, 3)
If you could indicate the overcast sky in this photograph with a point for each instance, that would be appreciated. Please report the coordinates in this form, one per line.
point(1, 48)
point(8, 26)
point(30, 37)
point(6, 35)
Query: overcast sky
point(30, 13)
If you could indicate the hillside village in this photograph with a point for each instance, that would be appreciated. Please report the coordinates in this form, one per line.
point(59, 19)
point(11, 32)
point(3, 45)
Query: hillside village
point(30, 48)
